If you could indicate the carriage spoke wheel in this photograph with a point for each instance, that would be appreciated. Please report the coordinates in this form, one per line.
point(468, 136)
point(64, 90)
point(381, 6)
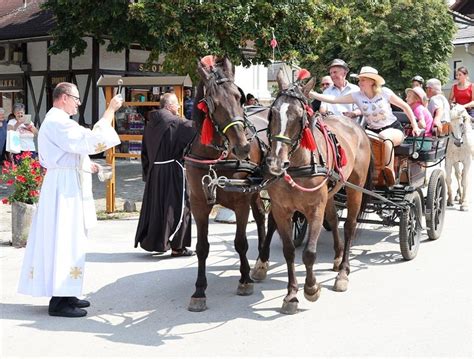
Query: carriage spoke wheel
point(435, 204)
point(300, 226)
point(410, 230)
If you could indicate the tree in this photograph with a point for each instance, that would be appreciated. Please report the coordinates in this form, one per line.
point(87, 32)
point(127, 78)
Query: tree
point(399, 37)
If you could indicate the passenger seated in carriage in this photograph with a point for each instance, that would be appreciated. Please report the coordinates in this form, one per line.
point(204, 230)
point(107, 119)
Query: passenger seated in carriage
point(374, 101)
point(416, 97)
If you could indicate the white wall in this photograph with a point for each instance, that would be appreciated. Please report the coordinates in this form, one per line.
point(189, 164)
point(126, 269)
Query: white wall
point(254, 80)
point(37, 52)
point(37, 81)
point(464, 54)
point(111, 60)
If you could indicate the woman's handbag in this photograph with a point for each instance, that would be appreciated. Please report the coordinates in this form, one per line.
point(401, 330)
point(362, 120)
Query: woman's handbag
point(13, 142)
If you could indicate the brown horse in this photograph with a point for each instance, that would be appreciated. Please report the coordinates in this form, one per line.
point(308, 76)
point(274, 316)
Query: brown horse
point(234, 152)
point(313, 193)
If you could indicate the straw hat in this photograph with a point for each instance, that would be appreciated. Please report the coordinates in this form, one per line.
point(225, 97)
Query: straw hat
point(419, 92)
point(371, 73)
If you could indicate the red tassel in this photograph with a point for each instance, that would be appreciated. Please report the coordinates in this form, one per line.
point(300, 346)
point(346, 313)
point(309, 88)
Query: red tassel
point(203, 107)
point(208, 61)
point(273, 43)
point(309, 110)
point(207, 131)
point(303, 74)
point(342, 155)
point(307, 141)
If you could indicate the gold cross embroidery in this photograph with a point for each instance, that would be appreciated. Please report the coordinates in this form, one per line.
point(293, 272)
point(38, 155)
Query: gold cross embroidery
point(75, 272)
point(100, 147)
point(32, 272)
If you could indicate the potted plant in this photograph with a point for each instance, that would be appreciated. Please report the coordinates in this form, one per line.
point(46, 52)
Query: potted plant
point(25, 178)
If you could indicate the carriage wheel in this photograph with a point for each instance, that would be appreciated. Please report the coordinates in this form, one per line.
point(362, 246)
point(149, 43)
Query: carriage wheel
point(410, 230)
point(300, 226)
point(435, 204)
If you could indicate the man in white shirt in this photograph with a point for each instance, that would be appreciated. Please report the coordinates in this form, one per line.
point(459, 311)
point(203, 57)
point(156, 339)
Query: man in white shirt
point(338, 70)
point(438, 105)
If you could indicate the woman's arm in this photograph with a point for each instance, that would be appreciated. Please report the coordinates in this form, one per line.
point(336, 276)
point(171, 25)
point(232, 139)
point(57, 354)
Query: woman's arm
point(451, 96)
point(331, 99)
point(397, 101)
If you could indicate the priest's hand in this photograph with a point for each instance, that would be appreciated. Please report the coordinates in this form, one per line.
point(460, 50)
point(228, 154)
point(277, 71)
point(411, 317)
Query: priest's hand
point(94, 167)
point(116, 102)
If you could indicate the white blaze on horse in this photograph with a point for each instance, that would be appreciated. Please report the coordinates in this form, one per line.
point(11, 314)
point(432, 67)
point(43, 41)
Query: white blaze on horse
point(460, 151)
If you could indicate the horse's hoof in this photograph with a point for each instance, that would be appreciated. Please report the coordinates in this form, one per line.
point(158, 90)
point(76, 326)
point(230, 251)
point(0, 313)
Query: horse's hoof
point(449, 204)
point(312, 293)
point(464, 208)
point(245, 289)
point(341, 284)
point(336, 264)
point(259, 270)
point(289, 307)
point(197, 305)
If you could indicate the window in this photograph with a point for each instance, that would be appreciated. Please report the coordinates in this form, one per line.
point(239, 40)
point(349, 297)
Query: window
point(456, 64)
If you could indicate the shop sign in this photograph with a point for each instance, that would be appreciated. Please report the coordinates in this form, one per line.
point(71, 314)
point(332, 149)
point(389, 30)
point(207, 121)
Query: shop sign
point(142, 67)
point(12, 83)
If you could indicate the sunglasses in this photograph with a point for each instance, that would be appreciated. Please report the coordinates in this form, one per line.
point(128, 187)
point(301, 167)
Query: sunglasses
point(325, 84)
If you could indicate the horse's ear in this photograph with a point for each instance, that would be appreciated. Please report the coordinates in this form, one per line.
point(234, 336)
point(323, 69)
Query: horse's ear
point(227, 67)
point(203, 71)
point(282, 80)
point(309, 86)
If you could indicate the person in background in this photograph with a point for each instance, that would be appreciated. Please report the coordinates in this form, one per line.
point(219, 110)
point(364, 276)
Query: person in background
point(55, 254)
point(338, 70)
point(27, 131)
point(251, 100)
point(165, 216)
point(374, 101)
point(326, 81)
point(438, 104)
point(188, 103)
point(462, 92)
point(3, 134)
point(416, 97)
point(417, 81)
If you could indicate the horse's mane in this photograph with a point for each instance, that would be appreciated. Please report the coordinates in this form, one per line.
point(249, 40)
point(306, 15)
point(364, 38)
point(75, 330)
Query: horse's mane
point(197, 115)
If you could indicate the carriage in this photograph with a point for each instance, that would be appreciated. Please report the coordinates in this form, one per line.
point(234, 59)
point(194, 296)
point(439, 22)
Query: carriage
point(339, 173)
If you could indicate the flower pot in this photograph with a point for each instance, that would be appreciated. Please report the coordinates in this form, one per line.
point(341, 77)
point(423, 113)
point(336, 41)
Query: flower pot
point(22, 214)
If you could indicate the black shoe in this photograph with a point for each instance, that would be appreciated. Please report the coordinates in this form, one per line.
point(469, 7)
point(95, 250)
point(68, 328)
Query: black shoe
point(79, 303)
point(68, 311)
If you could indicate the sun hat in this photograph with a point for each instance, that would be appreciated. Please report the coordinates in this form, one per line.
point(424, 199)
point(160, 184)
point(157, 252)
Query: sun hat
point(419, 79)
point(371, 73)
point(418, 92)
point(339, 62)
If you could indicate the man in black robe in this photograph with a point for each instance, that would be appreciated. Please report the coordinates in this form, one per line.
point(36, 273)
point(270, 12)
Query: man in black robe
point(165, 216)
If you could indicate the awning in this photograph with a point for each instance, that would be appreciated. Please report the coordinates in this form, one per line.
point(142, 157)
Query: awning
point(140, 81)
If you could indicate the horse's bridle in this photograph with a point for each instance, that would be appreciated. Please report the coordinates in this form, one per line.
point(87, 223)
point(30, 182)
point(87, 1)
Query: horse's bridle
point(459, 141)
point(295, 92)
point(218, 79)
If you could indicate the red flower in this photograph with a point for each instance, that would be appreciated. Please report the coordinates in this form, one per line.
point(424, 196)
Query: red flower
point(35, 164)
point(21, 178)
point(5, 200)
point(6, 164)
point(26, 154)
point(33, 193)
point(10, 182)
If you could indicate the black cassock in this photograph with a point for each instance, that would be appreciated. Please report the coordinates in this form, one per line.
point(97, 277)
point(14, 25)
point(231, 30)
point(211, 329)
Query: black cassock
point(164, 221)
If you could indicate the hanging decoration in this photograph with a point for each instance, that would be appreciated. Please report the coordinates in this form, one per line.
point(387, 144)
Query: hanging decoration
point(207, 130)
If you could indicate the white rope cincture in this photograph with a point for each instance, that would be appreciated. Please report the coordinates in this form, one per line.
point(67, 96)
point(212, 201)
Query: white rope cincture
point(178, 226)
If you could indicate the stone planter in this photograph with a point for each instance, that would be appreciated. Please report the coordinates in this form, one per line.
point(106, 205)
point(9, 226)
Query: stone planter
point(22, 214)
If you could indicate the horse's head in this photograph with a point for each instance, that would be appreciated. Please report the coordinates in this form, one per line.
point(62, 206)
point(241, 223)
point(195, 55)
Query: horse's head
point(287, 120)
point(223, 103)
point(460, 121)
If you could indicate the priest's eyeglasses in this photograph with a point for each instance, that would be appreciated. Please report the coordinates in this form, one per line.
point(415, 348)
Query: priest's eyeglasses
point(77, 99)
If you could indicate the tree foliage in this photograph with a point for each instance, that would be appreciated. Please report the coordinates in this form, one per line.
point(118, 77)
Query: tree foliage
point(399, 37)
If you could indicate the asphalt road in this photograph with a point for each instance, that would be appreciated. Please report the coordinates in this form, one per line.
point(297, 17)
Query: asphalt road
point(393, 308)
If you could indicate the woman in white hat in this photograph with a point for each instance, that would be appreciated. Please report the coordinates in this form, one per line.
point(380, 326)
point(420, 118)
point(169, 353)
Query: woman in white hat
point(374, 101)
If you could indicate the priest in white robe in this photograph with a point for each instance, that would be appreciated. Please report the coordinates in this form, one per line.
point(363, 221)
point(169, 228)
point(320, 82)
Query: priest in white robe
point(54, 260)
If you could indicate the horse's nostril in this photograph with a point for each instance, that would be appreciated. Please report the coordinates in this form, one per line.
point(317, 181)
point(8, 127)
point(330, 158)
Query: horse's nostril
point(286, 164)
